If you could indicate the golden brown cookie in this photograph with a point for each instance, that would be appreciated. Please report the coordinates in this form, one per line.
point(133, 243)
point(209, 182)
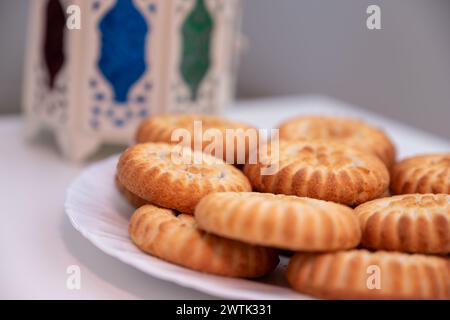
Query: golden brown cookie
point(355, 133)
point(285, 222)
point(422, 174)
point(321, 170)
point(176, 177)
point(132, 199)
point(160, 129)
point(360, 274)
point(410, 223)
point(176, 239)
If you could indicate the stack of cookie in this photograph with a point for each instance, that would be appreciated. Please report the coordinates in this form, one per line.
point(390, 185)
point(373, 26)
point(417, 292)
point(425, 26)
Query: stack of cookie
point(166, 190)
point(326, 201)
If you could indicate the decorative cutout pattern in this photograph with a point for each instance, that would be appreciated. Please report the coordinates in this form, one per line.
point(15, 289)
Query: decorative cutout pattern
point(105, 110)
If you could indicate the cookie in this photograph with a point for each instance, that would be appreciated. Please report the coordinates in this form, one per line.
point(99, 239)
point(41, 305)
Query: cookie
point(321, 170)
point(160, 129)
point(132, 199)
point(410, 223)
point(284, 222)
point(360, 274)
point(161, 233)
point(355, 133)
point(422, 174)
point(176, 177)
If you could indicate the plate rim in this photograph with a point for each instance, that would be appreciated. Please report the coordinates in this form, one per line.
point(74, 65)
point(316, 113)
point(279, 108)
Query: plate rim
point(213, 289)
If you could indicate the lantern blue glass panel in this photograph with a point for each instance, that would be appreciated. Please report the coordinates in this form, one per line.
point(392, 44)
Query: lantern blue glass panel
point(122, 56)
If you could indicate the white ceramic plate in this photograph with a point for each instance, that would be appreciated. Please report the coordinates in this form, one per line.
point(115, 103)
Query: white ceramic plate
point(100, 214)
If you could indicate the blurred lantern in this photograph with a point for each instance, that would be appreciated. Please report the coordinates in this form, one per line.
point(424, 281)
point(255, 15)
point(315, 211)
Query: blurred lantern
point(129, 59)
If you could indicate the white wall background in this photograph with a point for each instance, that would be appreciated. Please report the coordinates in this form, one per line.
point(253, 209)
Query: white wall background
point(323, 46)
point(13, 24)
point(317, 46)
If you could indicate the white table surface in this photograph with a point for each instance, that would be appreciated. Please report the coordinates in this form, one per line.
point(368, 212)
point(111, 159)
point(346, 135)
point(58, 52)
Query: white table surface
point(37, 242)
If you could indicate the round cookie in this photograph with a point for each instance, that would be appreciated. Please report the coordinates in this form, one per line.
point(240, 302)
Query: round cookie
point(285, 222)
point(176, 177)
point(411, 223)
point(132, 199)
point(176, 239)
point(320, 169)
point(422, 174)
point(355, 133)
point(161, 127)
point(360, 274)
